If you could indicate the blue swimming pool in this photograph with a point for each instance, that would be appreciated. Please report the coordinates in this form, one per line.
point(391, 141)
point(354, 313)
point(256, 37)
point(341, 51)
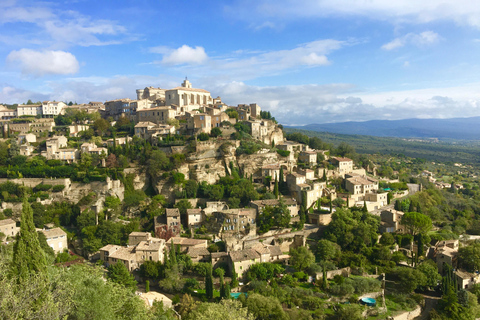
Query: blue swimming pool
point(368, 302)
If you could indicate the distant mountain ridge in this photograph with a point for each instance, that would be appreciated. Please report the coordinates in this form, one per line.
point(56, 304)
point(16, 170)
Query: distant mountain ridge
point(454, 128)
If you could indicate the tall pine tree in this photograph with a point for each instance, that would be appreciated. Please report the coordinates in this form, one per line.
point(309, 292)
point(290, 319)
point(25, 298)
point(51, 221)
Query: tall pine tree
point(28, 256)
point(275, 188)
point(209, 283)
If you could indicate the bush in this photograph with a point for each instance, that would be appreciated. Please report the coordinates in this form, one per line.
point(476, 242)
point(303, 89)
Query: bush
point(42, 187)
point(58, 188)
point(203, 136)
point(283, 153)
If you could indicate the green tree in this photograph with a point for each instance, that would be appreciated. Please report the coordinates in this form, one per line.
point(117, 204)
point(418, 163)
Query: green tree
point(409, 279)
point(209, 283)
point(416, 223)
point(469, 257)
point(264, 308)
point(28, 256)
point(302, 258)
point(225, 310)
point(430, 271)
point(327, 250)
point(216, 132)
point(119, 273)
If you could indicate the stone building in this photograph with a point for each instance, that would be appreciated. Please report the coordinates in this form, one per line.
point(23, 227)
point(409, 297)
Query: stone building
point(344, 165)
point(291, 204)
point(56, 239)
point(187, 98)
point(309, 157)
point(8, 227)
point(173, 217)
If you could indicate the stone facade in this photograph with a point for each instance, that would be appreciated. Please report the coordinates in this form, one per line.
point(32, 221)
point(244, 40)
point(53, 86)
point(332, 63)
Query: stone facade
point(56, 239)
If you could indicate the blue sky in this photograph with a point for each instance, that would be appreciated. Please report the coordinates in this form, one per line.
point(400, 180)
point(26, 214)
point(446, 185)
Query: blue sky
point(305, 61)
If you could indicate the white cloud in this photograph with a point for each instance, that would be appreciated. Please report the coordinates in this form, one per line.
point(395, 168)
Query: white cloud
point(307, 104)
point(39, 63)
point(421, 39)
point(62, 28)
point(183, 55)
point(10, 94)
point(244, 64)
point(462, 12)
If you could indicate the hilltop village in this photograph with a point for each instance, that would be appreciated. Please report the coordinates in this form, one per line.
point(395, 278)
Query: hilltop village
point(187, 200)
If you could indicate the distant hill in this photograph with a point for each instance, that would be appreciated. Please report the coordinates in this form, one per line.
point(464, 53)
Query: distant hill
point(456, 128)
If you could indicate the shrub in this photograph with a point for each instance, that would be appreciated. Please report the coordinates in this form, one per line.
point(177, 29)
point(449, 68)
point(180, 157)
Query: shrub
point(58, 188)
point(42, 187)
point(283, 153)
point(203, 136)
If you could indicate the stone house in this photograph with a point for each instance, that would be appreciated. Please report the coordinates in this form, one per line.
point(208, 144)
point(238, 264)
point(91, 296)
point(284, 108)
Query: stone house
point(219, 258)
point(200, 122)
point(93, 149)
point(446, 252)
point(466, 280)
point(8, 227)
point(56, 239)
point(198, 254)
point(156, 115)
point(241, 260)
point(344, 165)
point(7, 114)
point(26, 138)
point(142, 247)
point(173, 216)
point(75, 129)
point(51, 109)
point(236, 221)
point(116, 108)
point(291, 204)
point(187, 243)
point(55, 143)
point(391, 221)
point(29, 110)
point(194, 217)
point(294, 179)
point(309, 157)
point(112, 254)
point(119, 141)
point(26, 150)
point(271, 170)
point(358, 186)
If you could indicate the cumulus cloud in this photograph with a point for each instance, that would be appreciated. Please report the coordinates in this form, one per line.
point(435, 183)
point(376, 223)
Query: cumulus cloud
point(183, 55)
point(245, 64)
point(40, 63)
point(462, 12)
point(421, 39)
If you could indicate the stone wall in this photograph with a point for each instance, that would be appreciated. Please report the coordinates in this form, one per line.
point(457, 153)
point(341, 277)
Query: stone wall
point(32, 182)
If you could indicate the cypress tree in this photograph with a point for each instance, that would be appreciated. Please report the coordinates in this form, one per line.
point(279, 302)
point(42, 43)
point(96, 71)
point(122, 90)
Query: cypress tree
point(275, 188)
point(147, 286)
point(209, 283)
point(173, 255)
point(234, 282)
point(28, 256)
point(227, 291)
